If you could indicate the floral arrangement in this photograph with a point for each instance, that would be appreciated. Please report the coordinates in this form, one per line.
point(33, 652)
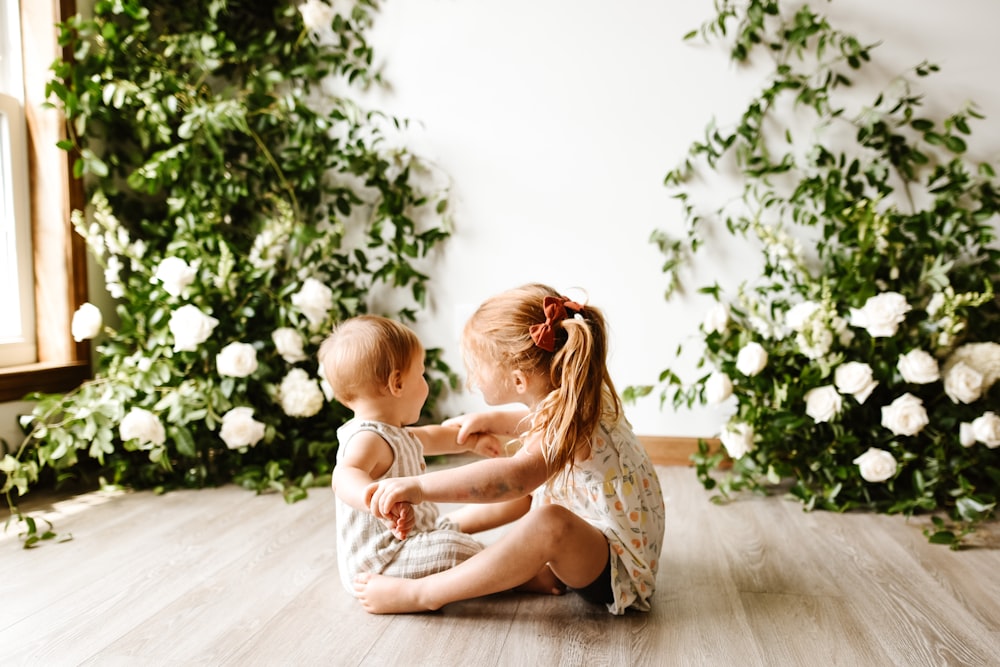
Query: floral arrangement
point(867, 399)
point(240, 203)
point(859, 368)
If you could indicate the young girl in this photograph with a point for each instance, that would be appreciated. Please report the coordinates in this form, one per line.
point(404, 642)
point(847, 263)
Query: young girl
point(597, 525)
point(376, 368)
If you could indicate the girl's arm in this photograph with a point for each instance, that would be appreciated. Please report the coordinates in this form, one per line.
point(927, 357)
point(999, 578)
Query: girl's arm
point(444, 440)
point(509, 423)
point(488, 481)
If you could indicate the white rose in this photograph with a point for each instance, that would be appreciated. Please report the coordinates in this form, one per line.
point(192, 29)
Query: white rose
point(238, 360)
point(966, 435)
point(142, 425)
point(815, 343)
point(905, 416)
point(855, 378)
point(175, 274)
point(737, 439)
point(823, 403)
point(987, 429)
point(718, 387)
point(962, 383)
point(881, 315)
point(876, 465)
point(299, 394)
point(751, 359)
point(716, 319)
point(190, 328)
point(317, 16)
point(240, 429)
point(797, 315)
point(289, 343)
point(918, 367)
point(87, 322)
point(315, 300)
point(982, 357)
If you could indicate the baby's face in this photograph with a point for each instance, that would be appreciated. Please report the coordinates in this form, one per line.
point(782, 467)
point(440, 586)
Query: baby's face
point(415, 389)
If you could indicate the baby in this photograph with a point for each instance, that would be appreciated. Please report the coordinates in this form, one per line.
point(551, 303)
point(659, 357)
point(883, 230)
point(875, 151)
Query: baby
point(375, 367)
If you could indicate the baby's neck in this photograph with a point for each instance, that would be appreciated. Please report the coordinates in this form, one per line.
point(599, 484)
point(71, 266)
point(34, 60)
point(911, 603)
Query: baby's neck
point(376, 411)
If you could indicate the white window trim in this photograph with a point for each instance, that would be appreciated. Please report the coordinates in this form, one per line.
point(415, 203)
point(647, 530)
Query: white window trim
point(60, 262)
point(18, 344)
point(21, 348)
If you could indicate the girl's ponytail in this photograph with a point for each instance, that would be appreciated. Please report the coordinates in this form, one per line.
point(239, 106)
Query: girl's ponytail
point(583, 394)
point(536, 330)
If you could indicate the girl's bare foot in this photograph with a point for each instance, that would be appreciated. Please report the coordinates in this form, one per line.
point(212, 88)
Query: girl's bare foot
point(379, 594)
point(545, 582)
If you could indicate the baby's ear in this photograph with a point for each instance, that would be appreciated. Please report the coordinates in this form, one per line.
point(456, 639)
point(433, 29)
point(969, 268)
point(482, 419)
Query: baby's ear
point(395, 385)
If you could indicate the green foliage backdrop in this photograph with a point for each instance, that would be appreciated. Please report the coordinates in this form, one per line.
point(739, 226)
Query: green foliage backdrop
point(240, 203)
point(860, 367)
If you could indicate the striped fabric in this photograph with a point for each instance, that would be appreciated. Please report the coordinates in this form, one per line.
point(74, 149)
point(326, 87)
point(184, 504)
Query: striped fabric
point(365, 544)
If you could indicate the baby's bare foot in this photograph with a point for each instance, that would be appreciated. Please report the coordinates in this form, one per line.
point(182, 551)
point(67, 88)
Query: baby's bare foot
point(379, 594)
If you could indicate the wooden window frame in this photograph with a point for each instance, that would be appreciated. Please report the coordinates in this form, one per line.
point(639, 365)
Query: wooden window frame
point(59, 253)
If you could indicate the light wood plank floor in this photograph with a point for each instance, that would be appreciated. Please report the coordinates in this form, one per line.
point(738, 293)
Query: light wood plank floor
point(223, 577)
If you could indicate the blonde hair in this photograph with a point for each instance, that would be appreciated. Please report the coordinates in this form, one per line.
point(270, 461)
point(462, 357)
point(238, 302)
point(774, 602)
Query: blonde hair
point(361, 354)
point(582, 394)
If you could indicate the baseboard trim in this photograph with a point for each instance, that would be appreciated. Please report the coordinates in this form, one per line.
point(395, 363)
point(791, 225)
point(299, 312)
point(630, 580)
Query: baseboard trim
point(673, 451)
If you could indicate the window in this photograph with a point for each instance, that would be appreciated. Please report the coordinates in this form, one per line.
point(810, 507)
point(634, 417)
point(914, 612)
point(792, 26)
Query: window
point(58, 255)
point(17, 325)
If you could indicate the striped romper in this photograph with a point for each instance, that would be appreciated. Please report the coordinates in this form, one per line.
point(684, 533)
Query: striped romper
point(365, 544)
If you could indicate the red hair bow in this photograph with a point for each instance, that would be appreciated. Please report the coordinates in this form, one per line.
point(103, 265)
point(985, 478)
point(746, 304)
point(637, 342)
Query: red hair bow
point(557, 309)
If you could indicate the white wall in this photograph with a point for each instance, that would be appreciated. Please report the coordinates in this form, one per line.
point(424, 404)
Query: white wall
point(558, 121)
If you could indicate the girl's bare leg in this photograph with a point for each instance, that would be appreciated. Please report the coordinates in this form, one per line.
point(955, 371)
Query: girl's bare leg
point(482, 517)
point(575, 551)
point(477, 518)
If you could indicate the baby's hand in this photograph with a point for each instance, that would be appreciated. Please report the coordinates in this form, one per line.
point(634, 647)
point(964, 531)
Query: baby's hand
point(485, 444)
point(401, 521)
point(383, 497)
point(469, 425)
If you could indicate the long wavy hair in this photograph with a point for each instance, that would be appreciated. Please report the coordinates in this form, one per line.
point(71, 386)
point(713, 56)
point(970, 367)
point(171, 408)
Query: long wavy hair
point(582, 395)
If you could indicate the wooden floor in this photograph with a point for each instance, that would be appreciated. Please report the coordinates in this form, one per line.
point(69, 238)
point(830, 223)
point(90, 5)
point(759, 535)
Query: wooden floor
point(223, 577)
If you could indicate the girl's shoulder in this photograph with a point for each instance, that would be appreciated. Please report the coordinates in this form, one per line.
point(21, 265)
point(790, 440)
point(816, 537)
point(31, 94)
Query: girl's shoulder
point(615, 434)
point(616, 447)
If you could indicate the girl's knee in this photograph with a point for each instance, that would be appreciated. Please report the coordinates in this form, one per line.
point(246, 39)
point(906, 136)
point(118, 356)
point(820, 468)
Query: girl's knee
point(554, 520)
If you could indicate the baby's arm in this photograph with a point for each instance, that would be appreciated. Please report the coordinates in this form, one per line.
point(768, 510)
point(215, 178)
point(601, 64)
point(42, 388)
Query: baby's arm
point(367, 459)
point(491, 480)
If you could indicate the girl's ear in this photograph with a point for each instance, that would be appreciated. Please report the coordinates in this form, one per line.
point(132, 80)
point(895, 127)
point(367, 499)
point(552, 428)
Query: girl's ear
point(520, 381)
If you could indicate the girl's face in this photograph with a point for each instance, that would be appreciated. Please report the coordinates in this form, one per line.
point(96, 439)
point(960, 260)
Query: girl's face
point(495, 383)
point(414, 389)
point(492, 378)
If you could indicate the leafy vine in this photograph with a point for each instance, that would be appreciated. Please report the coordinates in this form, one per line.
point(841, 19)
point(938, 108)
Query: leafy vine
point(240, 203)
point(860, 366)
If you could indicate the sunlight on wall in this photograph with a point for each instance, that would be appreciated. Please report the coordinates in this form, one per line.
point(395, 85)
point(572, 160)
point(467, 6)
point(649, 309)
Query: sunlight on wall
point(558, 122)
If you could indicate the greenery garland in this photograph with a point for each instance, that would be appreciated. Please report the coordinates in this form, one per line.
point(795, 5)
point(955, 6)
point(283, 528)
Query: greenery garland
point(860, 367)
point(240, 204)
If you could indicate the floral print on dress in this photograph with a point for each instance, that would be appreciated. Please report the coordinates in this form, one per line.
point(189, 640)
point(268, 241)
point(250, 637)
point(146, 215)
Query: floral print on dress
point(618, 492)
